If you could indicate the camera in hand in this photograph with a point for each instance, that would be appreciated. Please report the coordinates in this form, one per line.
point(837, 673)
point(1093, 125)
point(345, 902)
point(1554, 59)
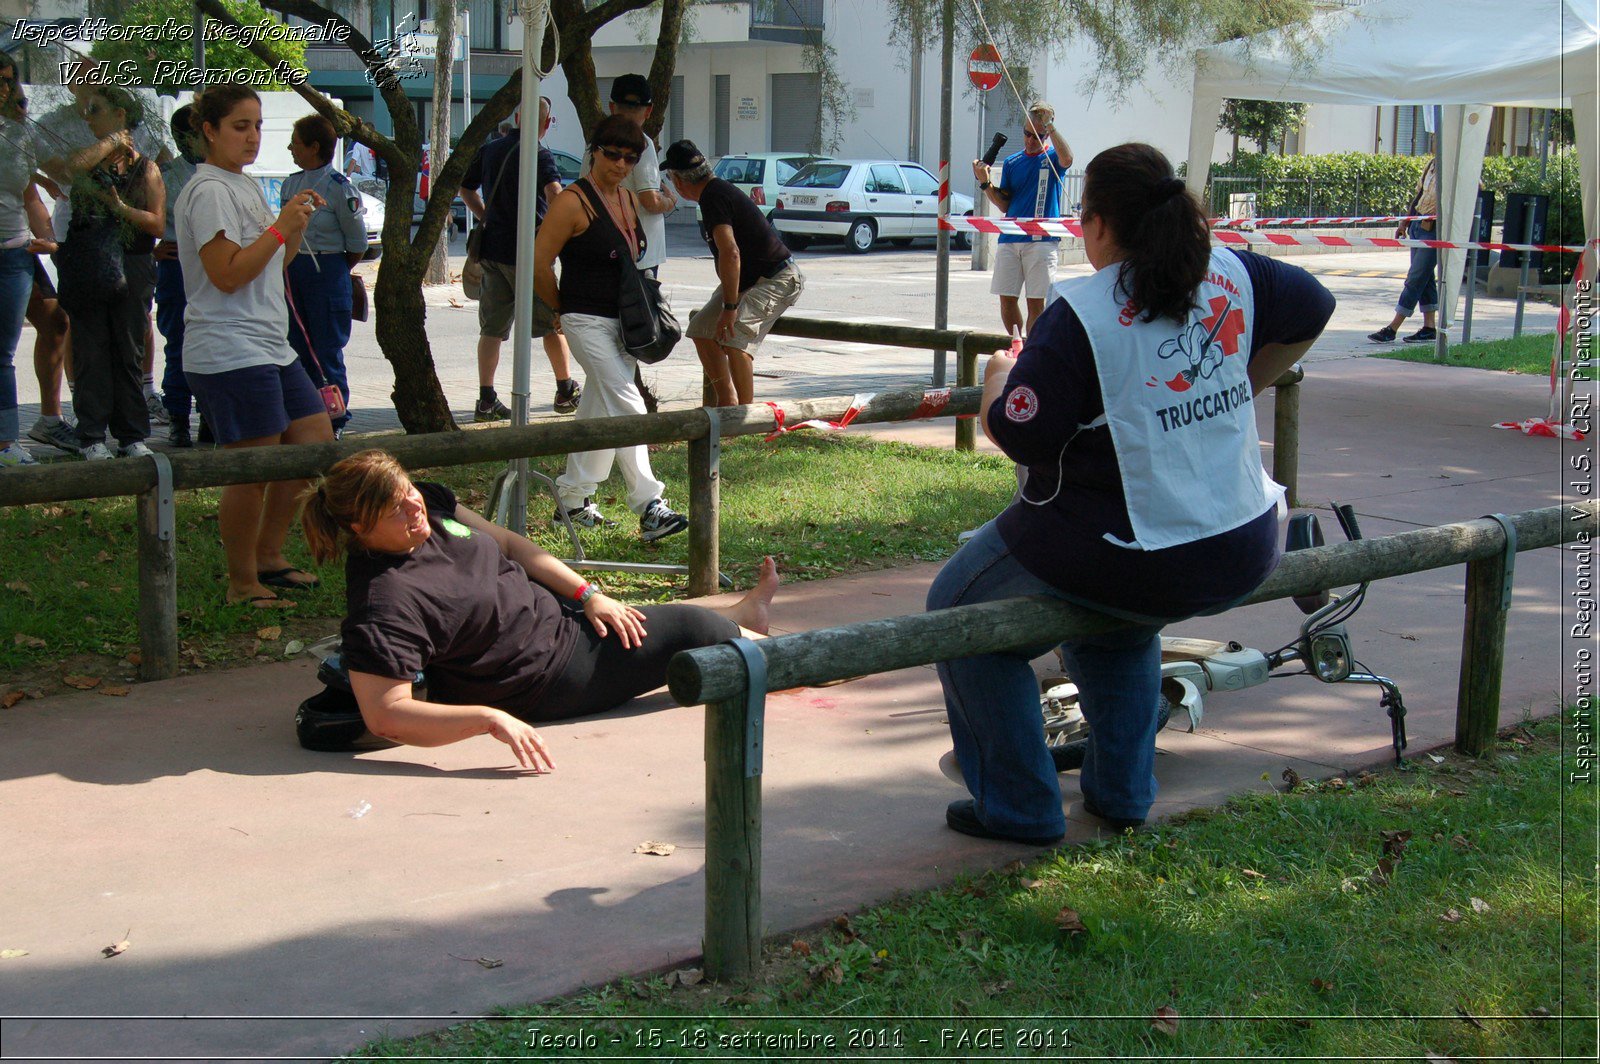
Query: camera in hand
point(995, 145)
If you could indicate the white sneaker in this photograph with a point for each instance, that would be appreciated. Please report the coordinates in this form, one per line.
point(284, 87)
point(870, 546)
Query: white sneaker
point(97, 452)
point(14, 454)
point(136, 449)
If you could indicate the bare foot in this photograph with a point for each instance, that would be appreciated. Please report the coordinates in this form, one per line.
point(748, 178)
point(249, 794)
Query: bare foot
point(752, 611)
point(258, 598)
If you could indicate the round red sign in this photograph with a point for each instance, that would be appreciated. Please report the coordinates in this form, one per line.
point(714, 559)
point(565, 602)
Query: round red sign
point(983, 67)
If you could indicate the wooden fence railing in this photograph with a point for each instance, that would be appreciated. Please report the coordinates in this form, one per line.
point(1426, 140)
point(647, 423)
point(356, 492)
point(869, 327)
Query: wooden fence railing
point(732, 679)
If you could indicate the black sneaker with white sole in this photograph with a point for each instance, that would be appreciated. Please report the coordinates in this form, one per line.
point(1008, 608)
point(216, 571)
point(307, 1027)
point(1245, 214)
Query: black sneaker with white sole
point(1425, 335)
point(567, 395)
point(586, 516)
point(660, 521)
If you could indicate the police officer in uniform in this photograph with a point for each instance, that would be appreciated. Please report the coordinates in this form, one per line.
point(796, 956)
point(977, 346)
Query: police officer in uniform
point(319, 276)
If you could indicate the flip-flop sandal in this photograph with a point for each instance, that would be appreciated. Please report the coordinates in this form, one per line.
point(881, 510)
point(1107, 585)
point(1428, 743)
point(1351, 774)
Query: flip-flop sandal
point(280, 578)
point(264, 602)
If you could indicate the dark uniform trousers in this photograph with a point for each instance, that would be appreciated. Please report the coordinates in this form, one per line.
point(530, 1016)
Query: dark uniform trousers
point(320, 291)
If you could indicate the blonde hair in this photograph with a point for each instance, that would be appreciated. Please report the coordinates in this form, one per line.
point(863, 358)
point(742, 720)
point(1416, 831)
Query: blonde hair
point(358, 490)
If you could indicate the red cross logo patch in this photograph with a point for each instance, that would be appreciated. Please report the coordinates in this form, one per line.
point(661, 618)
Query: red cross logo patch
point(1232, 327)
point(1021, 405)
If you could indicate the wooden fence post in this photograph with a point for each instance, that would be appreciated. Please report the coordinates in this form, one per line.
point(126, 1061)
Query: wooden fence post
point(1483, 648)
point(1286, 435)
point(966, 376)
point(732, 945)
point(158, 578)
point(705, 508)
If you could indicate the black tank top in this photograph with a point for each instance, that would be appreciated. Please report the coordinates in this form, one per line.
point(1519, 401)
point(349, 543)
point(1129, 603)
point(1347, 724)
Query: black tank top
point(591, 264)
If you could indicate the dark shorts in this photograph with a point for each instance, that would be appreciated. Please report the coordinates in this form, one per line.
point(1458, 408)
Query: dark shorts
point(41, 280)
point(247, 404)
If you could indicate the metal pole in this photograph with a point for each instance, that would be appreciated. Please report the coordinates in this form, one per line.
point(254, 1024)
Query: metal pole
point(534, 14)
point(941, 288)
point(1472, 270)
point(464, 12)
point(1527, 229)
point(1441, 341)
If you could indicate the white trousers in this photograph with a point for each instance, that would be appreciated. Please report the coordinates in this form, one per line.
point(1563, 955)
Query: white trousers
point(608, 391)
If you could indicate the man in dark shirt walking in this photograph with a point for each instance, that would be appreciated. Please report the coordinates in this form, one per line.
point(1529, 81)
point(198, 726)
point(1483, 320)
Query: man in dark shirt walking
point(759, 281)
point(496, 165)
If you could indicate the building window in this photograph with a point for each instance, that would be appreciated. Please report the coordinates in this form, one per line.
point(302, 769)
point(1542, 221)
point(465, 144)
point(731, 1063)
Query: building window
point(1410, 131)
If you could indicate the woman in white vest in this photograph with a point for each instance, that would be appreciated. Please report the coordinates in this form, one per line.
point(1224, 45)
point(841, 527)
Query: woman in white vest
point(1132, 407)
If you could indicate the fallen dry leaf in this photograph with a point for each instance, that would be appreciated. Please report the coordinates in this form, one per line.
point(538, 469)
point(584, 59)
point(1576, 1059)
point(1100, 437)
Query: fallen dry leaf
point(1321, 986)
point(1031, 884)
point(655, 849)
point(841, 924)
point(1165, 1020)
point(1480, 906)
point(116, 690)
point(1012, 868)
point(996, 989)
point(800, 948)
point(1291, 777)
point(12, 954)
point(1436, 759)
point(1380, 875)
point(688, 977)
point(103, 557)
point(969, 937)
point(11, 698)
point(116, 948)
point(82, 683)
point(270, 633)
point(1251, 873)
point(1539, 1012)
point(490, 962)
point(1394, 842)
point(133, 657)
point(749, 997)
point(830, 973)
point(1070, 921)
point(81, 585)
point(23, 640)
point(1451, 915)
point(1460, 842)
point(19, 587)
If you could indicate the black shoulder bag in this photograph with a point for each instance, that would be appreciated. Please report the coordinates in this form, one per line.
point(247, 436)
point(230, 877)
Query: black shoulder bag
point(649, 328)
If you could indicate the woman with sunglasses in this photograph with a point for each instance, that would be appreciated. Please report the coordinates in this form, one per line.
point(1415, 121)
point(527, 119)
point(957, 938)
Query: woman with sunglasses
point(17, 164)
point(591, 227)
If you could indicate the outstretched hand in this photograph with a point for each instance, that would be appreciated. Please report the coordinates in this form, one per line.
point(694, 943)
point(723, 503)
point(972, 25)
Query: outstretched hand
point(607, 615)
point(523, 740)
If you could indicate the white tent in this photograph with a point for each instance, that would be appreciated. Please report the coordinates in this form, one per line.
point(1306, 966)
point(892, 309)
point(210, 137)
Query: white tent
point(1467, 55)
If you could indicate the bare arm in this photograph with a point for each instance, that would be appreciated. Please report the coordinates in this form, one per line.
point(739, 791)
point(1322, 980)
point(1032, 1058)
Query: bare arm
point(561, 224)
point(995, 195)
point(152, 220)
point(994, 382)
point(551, 190)
point(390, 711)
point(230, 267)
point(727, 262)
point(44, 238)
point(1059, 143)
point(1272, 360)
point(655, 201)
point(473, 201)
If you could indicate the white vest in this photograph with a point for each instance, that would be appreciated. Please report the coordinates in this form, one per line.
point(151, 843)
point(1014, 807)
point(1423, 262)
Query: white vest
point(1178, 404)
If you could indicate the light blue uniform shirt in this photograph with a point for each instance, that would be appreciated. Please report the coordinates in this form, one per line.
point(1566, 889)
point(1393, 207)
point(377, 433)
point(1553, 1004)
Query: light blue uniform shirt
point(341, 226)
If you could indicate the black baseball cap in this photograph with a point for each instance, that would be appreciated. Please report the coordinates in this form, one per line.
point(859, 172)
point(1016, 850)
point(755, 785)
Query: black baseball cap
point(631, 90)
point(682, 155)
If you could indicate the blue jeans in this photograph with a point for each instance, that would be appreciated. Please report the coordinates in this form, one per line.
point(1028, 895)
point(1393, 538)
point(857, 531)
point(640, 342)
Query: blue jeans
point(321, 293)
point(16, 282)
point(1422, 283)
point(170, 304)
point(993, 703)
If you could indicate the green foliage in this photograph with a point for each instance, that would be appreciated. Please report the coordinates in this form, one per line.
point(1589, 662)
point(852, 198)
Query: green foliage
point(1297, 185)
point(1561, 183)
point(226, 55)
point(1529, 353)
point(1263, 121)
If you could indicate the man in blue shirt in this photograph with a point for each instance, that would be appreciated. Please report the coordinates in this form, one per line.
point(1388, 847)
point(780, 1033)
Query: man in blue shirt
point(1029, 187)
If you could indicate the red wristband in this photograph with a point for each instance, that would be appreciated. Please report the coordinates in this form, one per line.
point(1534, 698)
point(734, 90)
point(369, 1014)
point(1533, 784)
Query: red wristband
point(274, 231)
point(582, 590)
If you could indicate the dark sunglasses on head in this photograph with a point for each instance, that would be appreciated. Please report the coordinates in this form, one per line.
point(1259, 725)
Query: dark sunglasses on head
point(616, 154)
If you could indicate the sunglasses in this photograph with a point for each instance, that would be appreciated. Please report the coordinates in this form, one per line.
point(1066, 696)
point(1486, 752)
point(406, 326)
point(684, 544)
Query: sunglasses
point(617, 154)
point(1028, 134)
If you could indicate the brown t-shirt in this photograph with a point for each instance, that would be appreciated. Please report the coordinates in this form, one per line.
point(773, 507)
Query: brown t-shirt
point(458, 610)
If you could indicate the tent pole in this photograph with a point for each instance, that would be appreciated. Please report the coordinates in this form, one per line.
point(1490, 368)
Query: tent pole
point(1527, 235)
point(1472, 270)
point(1441, 341)
point(941, 287)
point(534, 14)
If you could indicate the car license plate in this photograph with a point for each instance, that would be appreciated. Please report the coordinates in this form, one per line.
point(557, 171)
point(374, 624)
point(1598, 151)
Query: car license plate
point(806, 201)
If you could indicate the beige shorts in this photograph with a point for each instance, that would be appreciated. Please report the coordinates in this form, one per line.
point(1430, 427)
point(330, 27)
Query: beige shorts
point(1020, 268)
point(497, 302)
point(759, 306)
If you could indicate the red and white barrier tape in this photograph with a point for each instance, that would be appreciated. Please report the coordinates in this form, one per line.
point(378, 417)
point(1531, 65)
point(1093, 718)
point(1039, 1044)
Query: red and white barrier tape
point(1553, 426)
point(1377, 219)
point(1059, 227)
point(857, 403)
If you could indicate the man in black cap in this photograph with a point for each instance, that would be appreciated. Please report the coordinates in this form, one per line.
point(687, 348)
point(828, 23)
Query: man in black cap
point(759, 279)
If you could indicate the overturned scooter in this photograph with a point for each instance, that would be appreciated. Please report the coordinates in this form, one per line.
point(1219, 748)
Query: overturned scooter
point(1191, 669)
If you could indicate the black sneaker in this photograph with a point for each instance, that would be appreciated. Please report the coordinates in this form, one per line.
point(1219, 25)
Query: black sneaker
point(962, 816)
point(586, 516)
point(494, 410)
point(178, 434)
point(1425, 335)
point(1384, 335)
point(567, 396)
point(660, 521)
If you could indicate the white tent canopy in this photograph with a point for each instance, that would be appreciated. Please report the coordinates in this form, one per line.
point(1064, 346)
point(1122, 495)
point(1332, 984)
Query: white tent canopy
point(1466, 55)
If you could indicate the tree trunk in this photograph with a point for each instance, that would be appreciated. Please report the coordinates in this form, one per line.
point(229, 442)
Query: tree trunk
point(400, 318)
point(578, 65)
point(444, 28)
point(664, 63)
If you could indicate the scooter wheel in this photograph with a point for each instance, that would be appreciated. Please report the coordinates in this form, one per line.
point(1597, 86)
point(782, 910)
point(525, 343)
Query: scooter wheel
point(1069, 755)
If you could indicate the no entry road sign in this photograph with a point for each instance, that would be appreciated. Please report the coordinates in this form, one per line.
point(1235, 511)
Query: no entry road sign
point(983, 67)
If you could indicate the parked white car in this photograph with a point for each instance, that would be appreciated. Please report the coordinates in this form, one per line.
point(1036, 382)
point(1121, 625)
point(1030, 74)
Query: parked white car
point(759, 175)
point(862, 201)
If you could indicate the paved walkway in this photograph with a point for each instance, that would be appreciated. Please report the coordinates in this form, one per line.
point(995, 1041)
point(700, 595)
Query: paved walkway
point(185, 819)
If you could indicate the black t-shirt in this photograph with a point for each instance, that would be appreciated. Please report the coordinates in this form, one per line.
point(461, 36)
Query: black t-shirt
point(457, 609)
point(1075, 468)
point(484, 175)
point(761, 251)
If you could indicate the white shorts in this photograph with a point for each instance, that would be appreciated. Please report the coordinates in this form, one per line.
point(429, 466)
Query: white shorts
point(1030, 266)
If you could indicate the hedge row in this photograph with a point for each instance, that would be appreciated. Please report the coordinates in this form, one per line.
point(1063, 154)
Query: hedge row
point(1359, 183)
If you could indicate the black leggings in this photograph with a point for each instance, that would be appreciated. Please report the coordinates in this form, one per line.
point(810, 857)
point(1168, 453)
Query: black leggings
point(602, 675)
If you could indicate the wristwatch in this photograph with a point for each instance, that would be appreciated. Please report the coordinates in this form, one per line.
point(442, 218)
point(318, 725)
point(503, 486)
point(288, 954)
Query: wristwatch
point(586, 592)
point(730, 306)
point(984, 186)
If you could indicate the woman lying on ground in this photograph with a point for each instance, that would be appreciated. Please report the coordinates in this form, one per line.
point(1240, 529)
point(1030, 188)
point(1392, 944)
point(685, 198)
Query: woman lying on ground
point(497, 623)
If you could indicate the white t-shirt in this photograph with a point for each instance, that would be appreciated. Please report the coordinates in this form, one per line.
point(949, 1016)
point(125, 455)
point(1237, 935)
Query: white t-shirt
point(17, 164)
point(226, 331)
point(646, 177)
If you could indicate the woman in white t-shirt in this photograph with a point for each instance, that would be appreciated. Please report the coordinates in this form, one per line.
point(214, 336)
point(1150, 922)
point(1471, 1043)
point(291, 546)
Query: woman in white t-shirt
point(16, 256)
point(236, 353)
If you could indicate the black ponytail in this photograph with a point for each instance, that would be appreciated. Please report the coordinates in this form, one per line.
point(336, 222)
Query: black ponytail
point(1158, 225)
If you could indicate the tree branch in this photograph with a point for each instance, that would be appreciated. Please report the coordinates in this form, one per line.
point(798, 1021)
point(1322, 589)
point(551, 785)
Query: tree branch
point(586, 22)
point(664, 63)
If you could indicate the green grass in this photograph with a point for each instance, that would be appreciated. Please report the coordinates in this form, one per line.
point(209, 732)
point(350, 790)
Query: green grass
point(822, 505)
point(1528, 353)
point(1258, 923)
